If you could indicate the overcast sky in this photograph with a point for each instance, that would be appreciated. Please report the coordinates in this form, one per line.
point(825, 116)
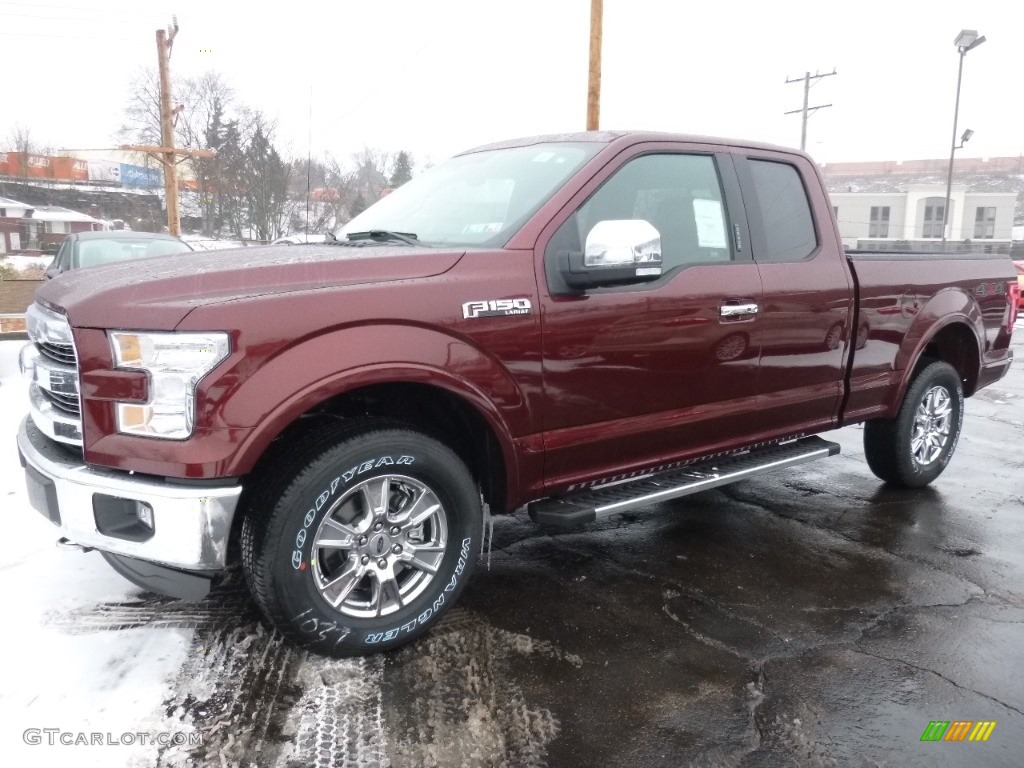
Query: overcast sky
point(437, 77)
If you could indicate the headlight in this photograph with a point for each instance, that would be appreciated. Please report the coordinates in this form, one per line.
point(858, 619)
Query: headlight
point(175, 363)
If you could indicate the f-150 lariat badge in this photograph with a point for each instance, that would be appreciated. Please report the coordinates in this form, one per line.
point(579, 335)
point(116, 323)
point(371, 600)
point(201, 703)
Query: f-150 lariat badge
point(496, 308)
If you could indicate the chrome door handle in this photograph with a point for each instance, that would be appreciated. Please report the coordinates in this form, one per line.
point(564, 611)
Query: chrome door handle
point(738, 310)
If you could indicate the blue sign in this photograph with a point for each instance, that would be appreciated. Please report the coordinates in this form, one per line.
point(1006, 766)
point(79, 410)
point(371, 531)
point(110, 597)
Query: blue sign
point(137, 176)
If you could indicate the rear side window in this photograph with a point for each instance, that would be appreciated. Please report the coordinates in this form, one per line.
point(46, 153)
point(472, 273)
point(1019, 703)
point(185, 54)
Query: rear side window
point(785, 212)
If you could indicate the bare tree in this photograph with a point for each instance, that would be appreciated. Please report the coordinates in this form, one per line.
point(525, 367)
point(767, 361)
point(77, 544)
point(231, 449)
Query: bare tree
point(21, 140)
point(371, 175)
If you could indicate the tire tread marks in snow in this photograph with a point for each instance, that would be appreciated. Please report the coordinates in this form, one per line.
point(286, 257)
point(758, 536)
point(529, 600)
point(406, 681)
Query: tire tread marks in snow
point(453, 699)
point(238, 681)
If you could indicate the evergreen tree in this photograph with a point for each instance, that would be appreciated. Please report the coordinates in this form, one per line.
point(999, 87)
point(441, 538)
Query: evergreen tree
point(358, 205)
point(402, 171)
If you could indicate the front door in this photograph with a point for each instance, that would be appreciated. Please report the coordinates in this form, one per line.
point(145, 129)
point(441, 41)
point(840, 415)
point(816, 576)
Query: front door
point(639, 376)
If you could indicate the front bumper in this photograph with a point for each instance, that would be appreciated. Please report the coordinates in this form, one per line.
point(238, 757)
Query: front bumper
point(190, 525)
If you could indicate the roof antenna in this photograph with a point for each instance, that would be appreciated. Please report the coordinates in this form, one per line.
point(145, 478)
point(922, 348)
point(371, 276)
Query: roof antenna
point(309, 157)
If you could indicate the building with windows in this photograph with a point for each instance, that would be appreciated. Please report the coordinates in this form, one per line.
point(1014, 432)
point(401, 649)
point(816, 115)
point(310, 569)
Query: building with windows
point(899, 204)
point(40, 228)
point(912, 219)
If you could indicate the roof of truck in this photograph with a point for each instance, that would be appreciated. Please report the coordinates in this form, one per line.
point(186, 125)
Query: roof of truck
point(631, 137)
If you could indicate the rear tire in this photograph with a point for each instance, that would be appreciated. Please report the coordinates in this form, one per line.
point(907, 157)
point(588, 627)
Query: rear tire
point(364, 540)
point(913, 449)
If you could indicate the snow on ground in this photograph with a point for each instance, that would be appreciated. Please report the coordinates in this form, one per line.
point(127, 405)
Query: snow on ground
point(103, 683)
point(27, 262)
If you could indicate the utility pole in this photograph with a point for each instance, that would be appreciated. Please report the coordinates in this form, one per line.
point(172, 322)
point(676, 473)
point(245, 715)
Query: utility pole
point(806, 80)
point(163, 52)
point(594, 82)
point(168, 156)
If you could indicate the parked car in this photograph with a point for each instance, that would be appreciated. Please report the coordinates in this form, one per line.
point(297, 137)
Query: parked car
point(299, 239)
point(1020, 283)
point(341, 424)
point(91, 249)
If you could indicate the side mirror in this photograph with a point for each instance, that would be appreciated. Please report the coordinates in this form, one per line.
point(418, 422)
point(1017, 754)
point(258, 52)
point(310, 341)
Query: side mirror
point(51, 273)
point(617, 252)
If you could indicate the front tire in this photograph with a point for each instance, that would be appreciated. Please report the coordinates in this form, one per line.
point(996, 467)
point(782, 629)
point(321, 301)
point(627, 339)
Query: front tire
point(364, 541)
point(913, 449)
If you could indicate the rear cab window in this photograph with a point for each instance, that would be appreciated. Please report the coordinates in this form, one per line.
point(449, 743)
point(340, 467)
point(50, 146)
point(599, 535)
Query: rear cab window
point(779, 210)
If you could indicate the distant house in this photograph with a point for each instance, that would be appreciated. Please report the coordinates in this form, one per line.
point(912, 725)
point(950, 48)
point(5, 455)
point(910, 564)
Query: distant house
point(11, 214)
point(40, 228)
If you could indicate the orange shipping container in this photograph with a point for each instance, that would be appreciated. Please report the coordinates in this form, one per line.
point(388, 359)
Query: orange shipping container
point(33, 166)
point(70, 169)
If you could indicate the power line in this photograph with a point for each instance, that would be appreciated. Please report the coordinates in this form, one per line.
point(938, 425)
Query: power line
point(78, 8)
point(806, 110)
point(76, 19)
point(104, 38)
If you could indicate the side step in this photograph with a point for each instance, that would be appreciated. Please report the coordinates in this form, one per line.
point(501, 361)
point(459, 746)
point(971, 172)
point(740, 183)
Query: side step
point(596, 503)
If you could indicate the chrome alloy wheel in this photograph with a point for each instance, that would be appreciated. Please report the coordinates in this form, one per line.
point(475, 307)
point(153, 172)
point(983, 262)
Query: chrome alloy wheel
point(379, 546)
point(932, 424)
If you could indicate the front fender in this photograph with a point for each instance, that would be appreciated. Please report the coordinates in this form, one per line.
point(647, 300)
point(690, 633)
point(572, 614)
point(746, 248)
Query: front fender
point(276, 391)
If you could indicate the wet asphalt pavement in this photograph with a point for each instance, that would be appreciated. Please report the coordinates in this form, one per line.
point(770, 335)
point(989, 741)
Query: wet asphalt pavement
point(812, 617)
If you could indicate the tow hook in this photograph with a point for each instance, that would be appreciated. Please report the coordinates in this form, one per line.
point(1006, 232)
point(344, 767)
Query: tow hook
point(66, 544)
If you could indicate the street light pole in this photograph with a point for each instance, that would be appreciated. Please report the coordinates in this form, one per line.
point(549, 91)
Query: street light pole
point(965, 41)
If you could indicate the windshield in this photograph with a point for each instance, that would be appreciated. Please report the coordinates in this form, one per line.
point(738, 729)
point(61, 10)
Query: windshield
point(92, 253)
point(477, 199)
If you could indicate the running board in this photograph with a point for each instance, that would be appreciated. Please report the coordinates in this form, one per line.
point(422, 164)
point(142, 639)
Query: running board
point(596, 503)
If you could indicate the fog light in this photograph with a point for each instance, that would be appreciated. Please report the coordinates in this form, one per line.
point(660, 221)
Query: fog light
point(126, 519)
point(145, 514)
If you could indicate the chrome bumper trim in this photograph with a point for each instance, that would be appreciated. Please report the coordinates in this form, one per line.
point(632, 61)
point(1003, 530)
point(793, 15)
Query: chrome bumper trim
point(191, 525)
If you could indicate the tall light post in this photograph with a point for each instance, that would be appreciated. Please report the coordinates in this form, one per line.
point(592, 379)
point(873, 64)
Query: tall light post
point(967, 40)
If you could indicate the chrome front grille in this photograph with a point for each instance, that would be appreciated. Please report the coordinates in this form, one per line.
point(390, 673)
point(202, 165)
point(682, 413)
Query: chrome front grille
point(50, 364)
point(59, 353)
point(66, 403)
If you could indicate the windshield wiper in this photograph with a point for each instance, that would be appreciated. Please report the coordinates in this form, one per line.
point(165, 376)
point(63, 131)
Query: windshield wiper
point(409, 238)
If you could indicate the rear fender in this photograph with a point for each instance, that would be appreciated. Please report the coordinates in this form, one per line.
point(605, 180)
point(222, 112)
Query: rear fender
point(947, 307)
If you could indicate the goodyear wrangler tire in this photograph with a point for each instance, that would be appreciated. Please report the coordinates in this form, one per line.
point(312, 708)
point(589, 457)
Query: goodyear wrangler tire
point(913, 449)
point(368, 539)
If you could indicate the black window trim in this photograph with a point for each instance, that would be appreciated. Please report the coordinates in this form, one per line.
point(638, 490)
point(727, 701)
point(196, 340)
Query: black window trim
point(737, 227)
point(759, 240)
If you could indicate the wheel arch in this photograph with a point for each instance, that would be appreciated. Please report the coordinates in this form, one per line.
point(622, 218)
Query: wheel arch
point(954, 341)
point(427, 400)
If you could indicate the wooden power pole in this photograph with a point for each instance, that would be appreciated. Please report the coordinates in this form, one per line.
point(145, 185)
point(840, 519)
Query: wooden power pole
point(594, 84)
point(163, 52)
point(168, 156)
point(807, 111)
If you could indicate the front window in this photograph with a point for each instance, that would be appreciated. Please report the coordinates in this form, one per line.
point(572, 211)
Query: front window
point(92, 253)
point(479, 199)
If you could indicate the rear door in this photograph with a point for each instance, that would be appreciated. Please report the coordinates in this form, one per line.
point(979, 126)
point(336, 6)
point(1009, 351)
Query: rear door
point(808, 293)
point(640, 375)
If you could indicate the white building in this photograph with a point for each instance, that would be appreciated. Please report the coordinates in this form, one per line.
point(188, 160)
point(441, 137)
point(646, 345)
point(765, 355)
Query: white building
point(913, 217)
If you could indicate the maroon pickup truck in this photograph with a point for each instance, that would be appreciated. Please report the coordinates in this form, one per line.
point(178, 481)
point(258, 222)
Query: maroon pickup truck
point(577, 324)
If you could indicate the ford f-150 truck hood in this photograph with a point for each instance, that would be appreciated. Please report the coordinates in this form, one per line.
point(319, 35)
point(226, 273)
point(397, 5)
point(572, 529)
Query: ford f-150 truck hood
point(157, 293)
